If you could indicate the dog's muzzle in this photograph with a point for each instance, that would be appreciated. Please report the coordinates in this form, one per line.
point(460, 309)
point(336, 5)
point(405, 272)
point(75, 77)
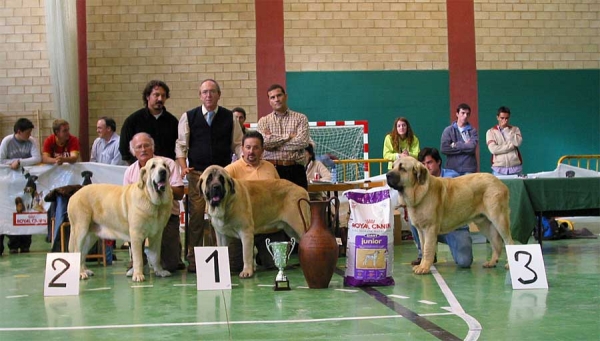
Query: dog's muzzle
point(161, 184)
point(393, 180)
point(215, 194)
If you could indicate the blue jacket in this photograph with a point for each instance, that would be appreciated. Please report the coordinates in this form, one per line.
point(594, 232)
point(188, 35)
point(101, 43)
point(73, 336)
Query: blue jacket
point(462, 157)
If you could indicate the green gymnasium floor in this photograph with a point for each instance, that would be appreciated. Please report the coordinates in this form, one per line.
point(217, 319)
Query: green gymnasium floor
point(451, 304)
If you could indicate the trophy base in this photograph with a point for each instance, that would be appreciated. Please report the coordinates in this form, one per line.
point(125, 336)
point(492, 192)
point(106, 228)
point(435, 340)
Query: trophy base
point(282, 285)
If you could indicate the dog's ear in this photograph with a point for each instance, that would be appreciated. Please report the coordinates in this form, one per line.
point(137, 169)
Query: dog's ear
point(33, 177)
point(143, 176)
point(27, 175)
point(231, 186)
point(421, 174)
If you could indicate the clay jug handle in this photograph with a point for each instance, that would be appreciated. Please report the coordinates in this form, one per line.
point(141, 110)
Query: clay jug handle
point(301, 215)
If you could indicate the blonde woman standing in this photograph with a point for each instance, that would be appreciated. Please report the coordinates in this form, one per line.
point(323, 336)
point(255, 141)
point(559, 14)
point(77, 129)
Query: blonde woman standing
point(401, 141)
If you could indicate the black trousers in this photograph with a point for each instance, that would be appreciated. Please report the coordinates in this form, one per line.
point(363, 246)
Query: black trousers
point(294, 173)
point(22, 241)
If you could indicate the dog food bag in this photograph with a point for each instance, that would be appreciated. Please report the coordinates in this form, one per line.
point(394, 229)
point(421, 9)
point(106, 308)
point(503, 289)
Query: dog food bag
point(370, 246)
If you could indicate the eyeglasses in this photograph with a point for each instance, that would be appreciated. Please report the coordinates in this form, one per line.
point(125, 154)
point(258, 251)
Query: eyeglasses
point(140, 147)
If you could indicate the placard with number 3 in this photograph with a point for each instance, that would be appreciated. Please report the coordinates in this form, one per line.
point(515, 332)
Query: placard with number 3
point(62, 274)
point(212, 268)
point(527, 269)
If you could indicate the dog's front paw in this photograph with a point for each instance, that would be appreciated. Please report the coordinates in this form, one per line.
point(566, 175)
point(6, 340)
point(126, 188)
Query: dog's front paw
point(137, 277)
point(421, 270)
point(246, 273)
point(86, 273)
point(162, 273)
point(491, 265)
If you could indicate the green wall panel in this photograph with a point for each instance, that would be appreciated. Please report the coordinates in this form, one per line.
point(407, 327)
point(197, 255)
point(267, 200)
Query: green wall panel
point(376, 96)
point(558, 111)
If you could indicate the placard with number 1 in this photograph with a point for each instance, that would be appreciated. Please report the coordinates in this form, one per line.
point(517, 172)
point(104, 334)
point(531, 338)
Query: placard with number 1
point(212, 268)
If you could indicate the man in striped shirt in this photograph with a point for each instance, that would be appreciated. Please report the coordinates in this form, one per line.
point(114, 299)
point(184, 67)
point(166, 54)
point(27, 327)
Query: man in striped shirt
point(286, 135)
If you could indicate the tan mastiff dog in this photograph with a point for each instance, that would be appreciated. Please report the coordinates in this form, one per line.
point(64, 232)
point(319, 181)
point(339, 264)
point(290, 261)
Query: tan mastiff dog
point(242, 208)
point(440, 205)
point(132, 212)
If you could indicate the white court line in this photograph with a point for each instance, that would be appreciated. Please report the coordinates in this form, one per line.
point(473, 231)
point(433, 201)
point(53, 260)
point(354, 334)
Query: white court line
point(346, 290)
point(17, 296)
point(143, 286)
point(399, 296)
point(184, 285)
point(216, 323)
point(427, 302)
point(455, 307)
point(98, 289)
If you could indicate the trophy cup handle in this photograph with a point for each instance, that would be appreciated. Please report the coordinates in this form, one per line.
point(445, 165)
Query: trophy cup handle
point(293, 240)
point(268, 243)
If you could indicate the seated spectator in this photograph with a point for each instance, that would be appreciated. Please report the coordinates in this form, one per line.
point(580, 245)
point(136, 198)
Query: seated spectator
point(400, 142)
point(315, 170)
point(105, 148)
point(18, 150)
point(60, 147)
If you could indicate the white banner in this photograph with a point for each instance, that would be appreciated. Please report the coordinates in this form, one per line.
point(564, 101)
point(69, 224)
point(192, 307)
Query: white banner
point(33, 219)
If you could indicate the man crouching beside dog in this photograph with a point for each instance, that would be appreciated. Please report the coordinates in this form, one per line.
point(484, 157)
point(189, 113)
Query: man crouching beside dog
point(441, 205)
point(140, 209)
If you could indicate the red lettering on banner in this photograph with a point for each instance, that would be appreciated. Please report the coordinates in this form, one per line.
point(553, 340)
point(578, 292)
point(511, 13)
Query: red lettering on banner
point(30, 219)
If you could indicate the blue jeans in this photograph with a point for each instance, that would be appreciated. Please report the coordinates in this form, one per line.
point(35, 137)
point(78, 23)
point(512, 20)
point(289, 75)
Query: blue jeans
point(459, 241)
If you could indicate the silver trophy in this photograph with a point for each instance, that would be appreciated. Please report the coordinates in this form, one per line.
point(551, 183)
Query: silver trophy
point(279, 252)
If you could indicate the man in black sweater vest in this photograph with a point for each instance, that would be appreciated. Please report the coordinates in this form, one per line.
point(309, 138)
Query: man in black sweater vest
point(207, 135)
point(153, 119)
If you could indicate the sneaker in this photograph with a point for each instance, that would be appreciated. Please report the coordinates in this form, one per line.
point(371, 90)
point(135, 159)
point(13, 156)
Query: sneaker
point(25, 250)
point(13, 251)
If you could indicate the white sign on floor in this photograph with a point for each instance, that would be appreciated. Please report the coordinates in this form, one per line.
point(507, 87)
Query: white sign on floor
point(212, 268)
point(62, 274)
point(527, 269)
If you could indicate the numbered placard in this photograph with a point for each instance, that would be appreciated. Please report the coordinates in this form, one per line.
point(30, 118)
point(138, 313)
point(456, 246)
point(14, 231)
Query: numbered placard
point(212, 268)
point(527, 269)
point(62, 274)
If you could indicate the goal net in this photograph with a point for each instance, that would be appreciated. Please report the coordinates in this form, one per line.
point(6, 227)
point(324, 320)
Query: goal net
point(344, 140)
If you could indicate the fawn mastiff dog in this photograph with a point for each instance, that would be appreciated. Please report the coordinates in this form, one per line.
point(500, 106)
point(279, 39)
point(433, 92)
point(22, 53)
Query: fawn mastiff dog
point(440, 205)
point(242, 208)
point(132, 212)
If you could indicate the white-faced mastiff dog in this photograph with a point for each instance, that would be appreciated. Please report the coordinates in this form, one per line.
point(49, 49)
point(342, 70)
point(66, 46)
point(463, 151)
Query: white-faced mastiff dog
point(132, 212)
point(440, 205)
point(242, 208)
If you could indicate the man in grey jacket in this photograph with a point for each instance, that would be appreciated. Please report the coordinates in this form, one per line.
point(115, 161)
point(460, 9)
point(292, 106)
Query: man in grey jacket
point(459, 143)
